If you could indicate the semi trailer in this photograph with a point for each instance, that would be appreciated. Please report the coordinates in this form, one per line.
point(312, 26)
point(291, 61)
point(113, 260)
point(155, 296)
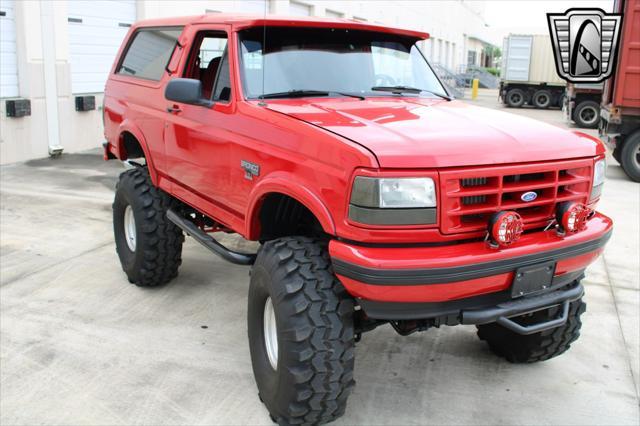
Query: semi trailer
point(528, 75)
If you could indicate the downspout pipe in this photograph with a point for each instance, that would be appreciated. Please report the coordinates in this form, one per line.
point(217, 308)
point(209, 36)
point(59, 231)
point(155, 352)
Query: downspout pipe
point(50, 78)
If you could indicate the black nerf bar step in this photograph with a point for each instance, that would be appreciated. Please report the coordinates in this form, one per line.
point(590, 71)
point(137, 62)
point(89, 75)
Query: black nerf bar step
point(502, 312)
point(209, 242)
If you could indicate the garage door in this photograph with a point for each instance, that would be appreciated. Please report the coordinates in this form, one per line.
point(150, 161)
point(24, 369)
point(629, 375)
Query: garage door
point(256, 7)
point(96, 30)
point(8, 60)
point(299, 9)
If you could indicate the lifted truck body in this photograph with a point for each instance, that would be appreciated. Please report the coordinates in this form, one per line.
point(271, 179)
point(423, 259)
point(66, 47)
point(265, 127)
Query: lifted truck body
point(286, 170)
point(620, 124)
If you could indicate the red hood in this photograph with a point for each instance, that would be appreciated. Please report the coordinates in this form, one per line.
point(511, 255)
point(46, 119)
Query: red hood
point(423, 133)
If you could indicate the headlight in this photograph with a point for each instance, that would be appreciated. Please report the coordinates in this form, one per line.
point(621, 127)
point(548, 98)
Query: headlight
point(393, 201)
point(599, 171)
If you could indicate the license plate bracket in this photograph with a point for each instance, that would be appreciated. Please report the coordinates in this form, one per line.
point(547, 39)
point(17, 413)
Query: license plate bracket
point(533, 279)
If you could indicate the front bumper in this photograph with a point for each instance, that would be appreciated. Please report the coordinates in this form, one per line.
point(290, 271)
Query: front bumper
point(418, 277)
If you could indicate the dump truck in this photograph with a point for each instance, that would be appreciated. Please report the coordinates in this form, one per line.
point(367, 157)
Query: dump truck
point(620, 111)
point(528, 74)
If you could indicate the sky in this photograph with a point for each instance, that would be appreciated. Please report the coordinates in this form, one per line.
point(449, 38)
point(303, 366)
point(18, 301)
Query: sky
point(529, 16)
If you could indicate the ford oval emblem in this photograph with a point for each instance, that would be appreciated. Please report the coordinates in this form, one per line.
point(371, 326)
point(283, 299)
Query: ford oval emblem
point(529, 196)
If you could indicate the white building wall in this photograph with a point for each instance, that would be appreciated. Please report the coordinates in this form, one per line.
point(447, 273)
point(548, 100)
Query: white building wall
point(449, 22)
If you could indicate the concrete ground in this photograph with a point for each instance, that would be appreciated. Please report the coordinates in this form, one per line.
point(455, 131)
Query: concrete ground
point(80, 345)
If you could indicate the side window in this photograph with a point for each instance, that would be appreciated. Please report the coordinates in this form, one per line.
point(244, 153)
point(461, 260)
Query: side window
point(209, 64)
point(149, 53)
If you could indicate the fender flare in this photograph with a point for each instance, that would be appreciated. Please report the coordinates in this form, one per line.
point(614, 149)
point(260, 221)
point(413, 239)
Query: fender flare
point(130, 127)
point(286, 184)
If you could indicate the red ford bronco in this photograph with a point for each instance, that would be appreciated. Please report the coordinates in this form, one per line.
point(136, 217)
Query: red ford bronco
point(376, 197)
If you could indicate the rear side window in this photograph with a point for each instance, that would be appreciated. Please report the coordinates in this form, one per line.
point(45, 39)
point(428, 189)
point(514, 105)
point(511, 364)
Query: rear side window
point(149, 53)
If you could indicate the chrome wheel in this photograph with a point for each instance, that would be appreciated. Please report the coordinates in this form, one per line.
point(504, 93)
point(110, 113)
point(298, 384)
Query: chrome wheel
point(270, 334)
point(636, 157)
point(130, 228)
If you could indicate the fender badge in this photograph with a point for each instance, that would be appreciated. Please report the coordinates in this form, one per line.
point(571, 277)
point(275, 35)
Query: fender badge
point(250, 169)
point(529, 196)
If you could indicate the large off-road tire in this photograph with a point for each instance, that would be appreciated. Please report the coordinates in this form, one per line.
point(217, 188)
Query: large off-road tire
point(295, 300)
point(536, 347)
point(148, 244)
point(587, 114)
point(630, 156)
point(542, 99)
point(515, 98)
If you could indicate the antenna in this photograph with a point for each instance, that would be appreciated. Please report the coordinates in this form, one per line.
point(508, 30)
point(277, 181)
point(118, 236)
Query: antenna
point(264, 49)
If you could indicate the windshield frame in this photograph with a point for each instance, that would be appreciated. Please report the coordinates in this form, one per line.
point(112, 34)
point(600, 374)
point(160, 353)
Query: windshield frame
point(414, 44)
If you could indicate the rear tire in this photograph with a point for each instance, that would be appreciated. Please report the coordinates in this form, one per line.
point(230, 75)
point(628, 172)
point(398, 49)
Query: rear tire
point(517, 348)
point(630, 156)
point(296, 301)
point(587, 114)
point(148, 244)
point(542, 99)
point(515, 98)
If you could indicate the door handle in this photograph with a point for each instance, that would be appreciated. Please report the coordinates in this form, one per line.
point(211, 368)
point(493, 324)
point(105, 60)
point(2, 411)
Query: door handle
point(174, 109)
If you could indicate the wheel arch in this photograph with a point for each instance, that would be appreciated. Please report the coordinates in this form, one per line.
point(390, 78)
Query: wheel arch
point(132, 141)
point(284, 186)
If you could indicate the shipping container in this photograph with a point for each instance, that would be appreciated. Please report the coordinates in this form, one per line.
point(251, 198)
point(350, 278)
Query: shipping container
point(528, 74)
point(620, 111)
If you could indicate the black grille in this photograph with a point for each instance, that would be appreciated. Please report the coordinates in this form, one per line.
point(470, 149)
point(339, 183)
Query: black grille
point(473, 181)
point(474, 199)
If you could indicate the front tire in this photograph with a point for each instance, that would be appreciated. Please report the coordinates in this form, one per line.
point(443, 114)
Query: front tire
point(306, 374)
point(148, 244)
point(517, 348)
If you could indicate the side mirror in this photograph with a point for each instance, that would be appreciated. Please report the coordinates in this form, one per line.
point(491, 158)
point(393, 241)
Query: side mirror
point(186, 91)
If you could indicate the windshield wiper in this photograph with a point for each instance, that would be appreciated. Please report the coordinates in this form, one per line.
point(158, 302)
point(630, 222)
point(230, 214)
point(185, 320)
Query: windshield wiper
point(407, 89)
point(303, 93)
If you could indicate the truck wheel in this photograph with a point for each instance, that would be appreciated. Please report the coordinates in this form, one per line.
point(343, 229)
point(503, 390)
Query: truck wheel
point(630, 156)
point(541, 346)
point(301, 339)
point(542, 99)
point(148, 244)
point(587, 114)
point(515, 98)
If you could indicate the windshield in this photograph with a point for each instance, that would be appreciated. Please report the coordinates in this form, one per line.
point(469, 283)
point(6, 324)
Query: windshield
point(333, 61)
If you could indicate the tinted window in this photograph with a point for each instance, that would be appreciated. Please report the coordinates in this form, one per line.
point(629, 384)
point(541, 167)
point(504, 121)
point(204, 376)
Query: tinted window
point(149, 53)
point(330, 59)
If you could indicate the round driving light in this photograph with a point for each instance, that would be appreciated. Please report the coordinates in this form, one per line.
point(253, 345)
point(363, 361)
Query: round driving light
point(505, 228)
point(572, 217)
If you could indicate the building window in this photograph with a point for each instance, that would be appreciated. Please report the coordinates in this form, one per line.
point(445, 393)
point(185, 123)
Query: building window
point(471, 57)
point(333, 14)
